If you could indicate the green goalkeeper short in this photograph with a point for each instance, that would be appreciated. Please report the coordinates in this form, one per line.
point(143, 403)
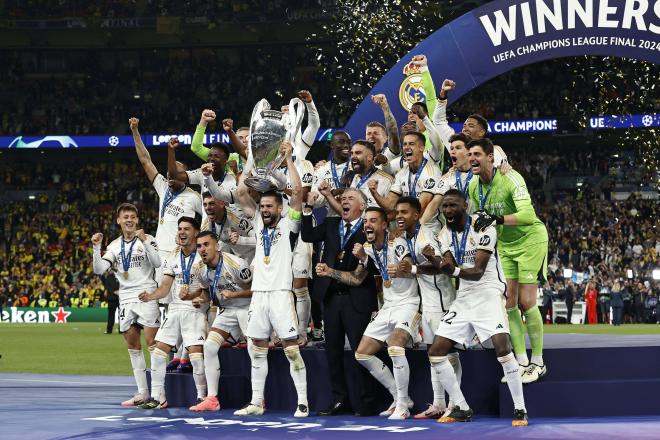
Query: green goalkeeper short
point(528, 265)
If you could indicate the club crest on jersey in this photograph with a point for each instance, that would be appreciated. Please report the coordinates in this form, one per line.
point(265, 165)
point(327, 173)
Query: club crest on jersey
point(399, 250)
point(411, 91)
point(243, 224)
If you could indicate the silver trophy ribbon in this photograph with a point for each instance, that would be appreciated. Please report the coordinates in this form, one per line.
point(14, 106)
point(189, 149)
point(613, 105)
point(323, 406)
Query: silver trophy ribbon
point(268, 129)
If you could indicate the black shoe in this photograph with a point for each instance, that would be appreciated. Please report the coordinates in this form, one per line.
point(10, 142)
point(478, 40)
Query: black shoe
point(366, 411)
point(457, 415)
point(519, 418)
point(336, 409)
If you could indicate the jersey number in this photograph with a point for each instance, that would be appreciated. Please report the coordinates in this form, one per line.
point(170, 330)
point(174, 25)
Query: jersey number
point(448, 317)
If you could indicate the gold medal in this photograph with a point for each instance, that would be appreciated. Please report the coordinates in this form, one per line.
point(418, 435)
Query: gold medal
point(387, 283)
point(267, 259)
point(162, 220)
point(341, 255)
point(126, 274)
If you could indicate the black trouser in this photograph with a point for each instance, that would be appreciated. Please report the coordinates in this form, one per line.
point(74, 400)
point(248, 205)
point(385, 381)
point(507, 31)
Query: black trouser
point(342, 320)
point(112, 308)
point(569, 310)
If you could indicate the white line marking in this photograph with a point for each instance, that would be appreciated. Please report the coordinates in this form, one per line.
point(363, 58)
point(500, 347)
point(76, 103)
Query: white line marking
point(63, 381)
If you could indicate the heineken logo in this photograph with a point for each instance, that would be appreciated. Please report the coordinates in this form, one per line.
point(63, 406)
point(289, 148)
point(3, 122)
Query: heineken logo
point(18, 315)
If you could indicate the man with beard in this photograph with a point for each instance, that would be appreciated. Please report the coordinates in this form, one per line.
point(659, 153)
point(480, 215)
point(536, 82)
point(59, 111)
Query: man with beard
point(224, 220)
point(396, 322)
point(333, 172)
point(175, 200)
point(135, 257)
point(217, 159)
point(185, 319)
point(347, 309)
point(227, 284)
point(272, 306)
point(437, 290)
point(470, 254)
point(418, 177)
point(523, 244)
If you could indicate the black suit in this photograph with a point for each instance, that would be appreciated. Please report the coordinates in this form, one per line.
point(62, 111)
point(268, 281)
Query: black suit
point(346, 310)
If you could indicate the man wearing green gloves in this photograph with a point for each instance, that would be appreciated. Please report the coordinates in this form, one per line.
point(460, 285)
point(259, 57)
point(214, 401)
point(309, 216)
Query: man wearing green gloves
point(522, 244)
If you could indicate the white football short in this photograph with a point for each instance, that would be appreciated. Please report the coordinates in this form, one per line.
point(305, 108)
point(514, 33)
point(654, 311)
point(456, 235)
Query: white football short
point(482, 313)
point(188, 326)
point(302, 259)
point(233, 320)
point(144, 314)
point(270, 311)
point(429, 324)
point(382, 325)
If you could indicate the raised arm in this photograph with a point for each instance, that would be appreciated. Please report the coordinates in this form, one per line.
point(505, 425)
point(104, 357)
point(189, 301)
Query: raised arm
point(313, 120)
point(99, 264)
point(220, 192)
point(197, 145)
point(248, 204)
point(172, 169)
point(427, 81)
point(150, 247)
point(354, 278)
point(308, 232)
point(440, 113)
point(387, 202)
point(393, 141)
point(295, 202)
point(161, 292)
point(228, 127)
point(143, 155)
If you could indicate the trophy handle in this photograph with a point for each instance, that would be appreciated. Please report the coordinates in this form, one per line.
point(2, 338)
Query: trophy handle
point(296, 115)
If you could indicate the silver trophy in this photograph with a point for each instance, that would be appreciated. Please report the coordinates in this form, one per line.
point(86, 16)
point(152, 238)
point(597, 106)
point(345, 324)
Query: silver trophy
point(268, 129)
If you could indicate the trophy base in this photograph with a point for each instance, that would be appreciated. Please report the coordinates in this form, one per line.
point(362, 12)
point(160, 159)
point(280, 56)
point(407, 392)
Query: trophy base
point(260, 184)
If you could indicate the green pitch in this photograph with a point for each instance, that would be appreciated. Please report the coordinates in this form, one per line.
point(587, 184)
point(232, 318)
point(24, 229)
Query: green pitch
point(83, 348)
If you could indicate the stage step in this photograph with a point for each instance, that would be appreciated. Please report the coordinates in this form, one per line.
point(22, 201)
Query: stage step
point(586, 398)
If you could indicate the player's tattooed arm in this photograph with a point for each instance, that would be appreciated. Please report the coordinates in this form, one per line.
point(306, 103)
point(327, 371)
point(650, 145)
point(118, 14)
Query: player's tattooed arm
point(354, 278)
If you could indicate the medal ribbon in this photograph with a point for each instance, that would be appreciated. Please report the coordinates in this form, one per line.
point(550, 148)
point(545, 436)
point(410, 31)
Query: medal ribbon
point(412, 243)
point(185, 268)
point(169, 198)
point(482, 199)
point(382, 267)
point(366, 177)
point(459, 184)
point(268, 239)
point(459, 252)
point(336, 179)
point(126, 259)
point(214, 284)
point(412, 187)
point(342, 232)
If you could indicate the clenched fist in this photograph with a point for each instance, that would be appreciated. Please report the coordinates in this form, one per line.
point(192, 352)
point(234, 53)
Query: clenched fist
point(173, 143)
point(227, 124)
point(207, 116)
point(133, 123)
point(207, 169)
point(323, 270)
point(305, 96)
point(97, 238)
point(141, 235)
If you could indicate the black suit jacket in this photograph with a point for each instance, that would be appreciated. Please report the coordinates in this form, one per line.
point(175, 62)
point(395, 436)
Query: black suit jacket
point(363, 297)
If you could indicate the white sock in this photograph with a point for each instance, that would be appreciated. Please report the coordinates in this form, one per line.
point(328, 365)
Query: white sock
point(537, 359)
point(158, 364)
point(379, 371)
point(303, 309)
point(139, 365)
point(212, 362)
point(522, 359)
point(401, 371)
point(259, 359)
point(455, 362)
point(445, 374)
point(197, 362)
point(438, 391)
point(298, 372)
point(513, 380)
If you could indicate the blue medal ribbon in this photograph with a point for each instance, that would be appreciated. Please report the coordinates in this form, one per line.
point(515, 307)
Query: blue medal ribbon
point(412, 243)
point(482, 199)
point(366, 177)
point(412, 187)
point(169, 198)
point(459, 183)
point(342, 232)
point(268, 240)
point(336, 179)
point(459, 252)
point(126, 259)
point(382, 266)
point(185, 268)
point(222, 226)
point(214, 283)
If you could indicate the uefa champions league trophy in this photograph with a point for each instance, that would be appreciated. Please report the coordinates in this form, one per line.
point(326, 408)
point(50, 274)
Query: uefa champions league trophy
point(268, 129)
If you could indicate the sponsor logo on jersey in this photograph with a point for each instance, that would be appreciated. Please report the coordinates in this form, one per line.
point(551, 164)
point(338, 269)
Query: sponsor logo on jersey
point(484, 241)
point(245, 274)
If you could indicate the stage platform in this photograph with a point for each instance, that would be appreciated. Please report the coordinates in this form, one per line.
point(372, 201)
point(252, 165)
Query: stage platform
point(62, 407)
point(588, 375)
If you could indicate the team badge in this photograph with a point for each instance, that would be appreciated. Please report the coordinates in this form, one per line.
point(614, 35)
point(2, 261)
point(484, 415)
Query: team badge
point(411, 91)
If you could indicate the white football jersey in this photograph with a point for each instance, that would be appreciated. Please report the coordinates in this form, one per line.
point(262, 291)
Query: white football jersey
point(195, 177)
point(306, 173)
point(173, 267)
point(450, 181)
point(325, 173)
point(384, 183)
point(235, 276)
point(276, 271)
point(406, 182)
point(235, 219)
point(141, 273)
point(437, 291)
point(493, 278)
point(403, 291)
point(186, 204)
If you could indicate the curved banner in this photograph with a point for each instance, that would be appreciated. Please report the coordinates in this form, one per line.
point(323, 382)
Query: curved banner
point(506, 34)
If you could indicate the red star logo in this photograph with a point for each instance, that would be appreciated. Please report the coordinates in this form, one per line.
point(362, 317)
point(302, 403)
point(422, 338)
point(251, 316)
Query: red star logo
point(60, 315)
